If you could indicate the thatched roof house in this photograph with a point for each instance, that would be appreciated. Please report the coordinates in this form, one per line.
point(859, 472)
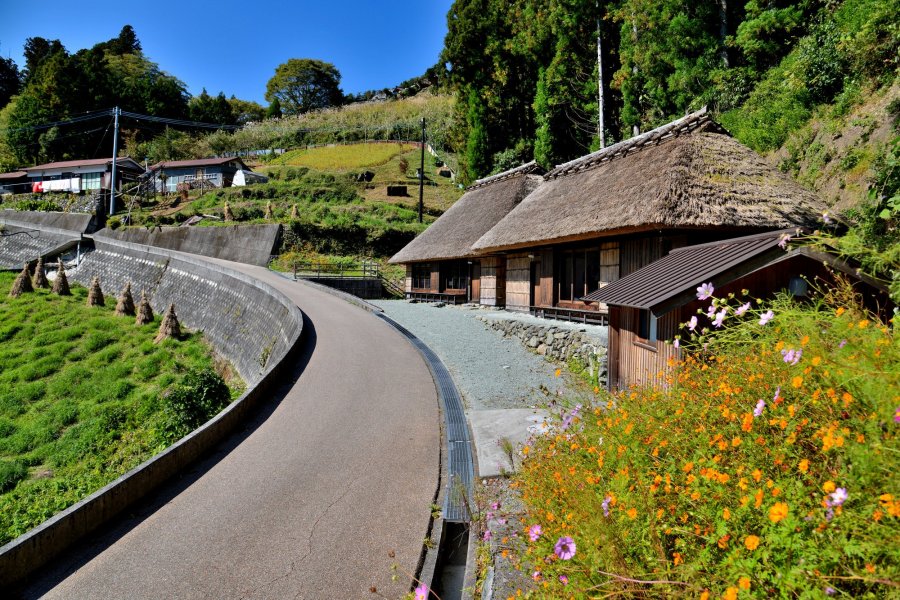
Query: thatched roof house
point(688, 174)
point(485, 202)
point(440, 262)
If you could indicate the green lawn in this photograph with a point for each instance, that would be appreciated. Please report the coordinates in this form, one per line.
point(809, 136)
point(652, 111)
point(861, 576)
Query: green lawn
point(80, 399)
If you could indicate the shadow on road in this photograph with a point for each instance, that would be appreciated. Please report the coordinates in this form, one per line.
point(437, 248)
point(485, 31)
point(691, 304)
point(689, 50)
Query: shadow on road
point(95, 543)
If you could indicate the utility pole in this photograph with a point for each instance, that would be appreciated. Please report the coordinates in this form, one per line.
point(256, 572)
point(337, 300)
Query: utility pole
point(422, 173)
point(600, 129)
point(112, 185)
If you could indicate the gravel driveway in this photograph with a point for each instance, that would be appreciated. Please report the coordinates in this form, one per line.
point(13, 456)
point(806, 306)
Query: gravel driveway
point(490, 371)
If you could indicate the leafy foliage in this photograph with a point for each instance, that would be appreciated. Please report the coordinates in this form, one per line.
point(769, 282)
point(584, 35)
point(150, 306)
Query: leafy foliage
point(198, 397)
point(304, 84)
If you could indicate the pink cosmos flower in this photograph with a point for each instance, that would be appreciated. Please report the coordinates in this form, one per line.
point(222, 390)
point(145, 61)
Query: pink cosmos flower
point(897, 415)
point(838, 497)
point(495, 505)
point(536, 575)
point(783, 242)
point(564, 579)
point(676, 343)
point(720, 316)
point(564, 548)
point(842, 344)
point(421, 592)
point(791, 356)
point(487, 535)
point(759, 408)
point(740, 310)
point(605, 505)
point(705, 291)
point(711, 311)
point(534, 532)
point(826, 217)
point(692, 324)
point(777, 393)
point(766, 317)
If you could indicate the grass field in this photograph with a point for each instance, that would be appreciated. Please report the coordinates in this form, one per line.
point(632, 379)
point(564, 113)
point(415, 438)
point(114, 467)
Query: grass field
point(80, 399)
point(344, 157)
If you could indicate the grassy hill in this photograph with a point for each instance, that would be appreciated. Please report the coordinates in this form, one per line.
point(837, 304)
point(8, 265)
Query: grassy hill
point(326, 206)
point(82, 399)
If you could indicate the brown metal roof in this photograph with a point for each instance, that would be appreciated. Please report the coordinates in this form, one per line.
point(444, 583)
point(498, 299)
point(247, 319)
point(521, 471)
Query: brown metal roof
point(13, 175)
point(671, 281)
point(91, 162)
point(200, 162)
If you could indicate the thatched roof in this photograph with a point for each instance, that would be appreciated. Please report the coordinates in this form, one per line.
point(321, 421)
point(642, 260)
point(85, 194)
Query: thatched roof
point(480, 208)
point(687, 174)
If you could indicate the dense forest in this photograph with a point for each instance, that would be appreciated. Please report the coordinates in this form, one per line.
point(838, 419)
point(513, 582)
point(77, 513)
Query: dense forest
point(525, 72)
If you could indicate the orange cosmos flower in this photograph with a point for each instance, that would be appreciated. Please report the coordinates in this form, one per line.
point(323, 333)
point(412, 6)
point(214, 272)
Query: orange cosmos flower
point(778, 512)
point(803, 466)
point(744, 583)
point(751, 542)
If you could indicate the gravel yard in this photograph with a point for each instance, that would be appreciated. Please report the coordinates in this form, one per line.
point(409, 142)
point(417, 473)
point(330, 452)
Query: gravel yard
point(490, 371)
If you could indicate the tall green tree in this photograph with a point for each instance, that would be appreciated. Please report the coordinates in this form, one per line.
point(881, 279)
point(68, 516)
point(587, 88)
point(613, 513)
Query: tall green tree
point(304, 84)
point(10, 80)
point(477, 158)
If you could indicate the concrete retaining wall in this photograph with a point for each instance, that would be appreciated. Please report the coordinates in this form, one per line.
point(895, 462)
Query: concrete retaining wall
point(229, 306)
point(250, 244)
point(48, 221)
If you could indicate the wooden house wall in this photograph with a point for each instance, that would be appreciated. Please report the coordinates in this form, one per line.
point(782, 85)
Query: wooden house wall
point(407, 280)
point(633, 361)
point(518, 282)
point(489, 281)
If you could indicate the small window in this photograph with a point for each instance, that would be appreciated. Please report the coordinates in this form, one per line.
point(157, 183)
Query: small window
point(646, 329)
point(421, 276)
point(455, 275)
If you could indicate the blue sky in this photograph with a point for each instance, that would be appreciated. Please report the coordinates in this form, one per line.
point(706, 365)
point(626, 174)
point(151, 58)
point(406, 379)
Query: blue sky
point(234, 47)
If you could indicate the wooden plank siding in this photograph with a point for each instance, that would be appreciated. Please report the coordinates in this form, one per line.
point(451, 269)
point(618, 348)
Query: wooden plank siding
point(407, 280)
point(518, 282)
point(489, 281)
point(633, 361)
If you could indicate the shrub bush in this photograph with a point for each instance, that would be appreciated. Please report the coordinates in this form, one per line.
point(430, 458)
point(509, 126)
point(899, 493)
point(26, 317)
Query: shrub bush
point(198, 397)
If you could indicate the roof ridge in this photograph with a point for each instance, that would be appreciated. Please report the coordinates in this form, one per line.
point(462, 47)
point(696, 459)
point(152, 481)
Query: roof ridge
point(686, 124)
point(524, 169)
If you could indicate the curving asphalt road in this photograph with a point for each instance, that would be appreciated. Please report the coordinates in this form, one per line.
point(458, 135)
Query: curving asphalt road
point(308, 501)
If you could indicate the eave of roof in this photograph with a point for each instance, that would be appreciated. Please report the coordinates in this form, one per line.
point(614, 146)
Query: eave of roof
point(670, 281)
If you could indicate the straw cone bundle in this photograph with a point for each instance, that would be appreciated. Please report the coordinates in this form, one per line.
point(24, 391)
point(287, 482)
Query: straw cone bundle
point(40, 278)
point(169, 328)
point(22, 284)
point(268, 214)
point(294, 215)
point(229, 216)
point(61, 283)
point(125, 304)
point(95, 294)
point(144, 312)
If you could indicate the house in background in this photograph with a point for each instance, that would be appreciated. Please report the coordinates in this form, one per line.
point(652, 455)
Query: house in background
point(647, 307)
point(199, 173)
point(16, 182)
point(76, 176)
point(440, 262)
point(605, 215)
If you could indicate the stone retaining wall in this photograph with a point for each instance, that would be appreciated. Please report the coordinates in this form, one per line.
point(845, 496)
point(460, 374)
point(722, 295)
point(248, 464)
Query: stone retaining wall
point(244, 319)
point(556, 342)
point(49, 221)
